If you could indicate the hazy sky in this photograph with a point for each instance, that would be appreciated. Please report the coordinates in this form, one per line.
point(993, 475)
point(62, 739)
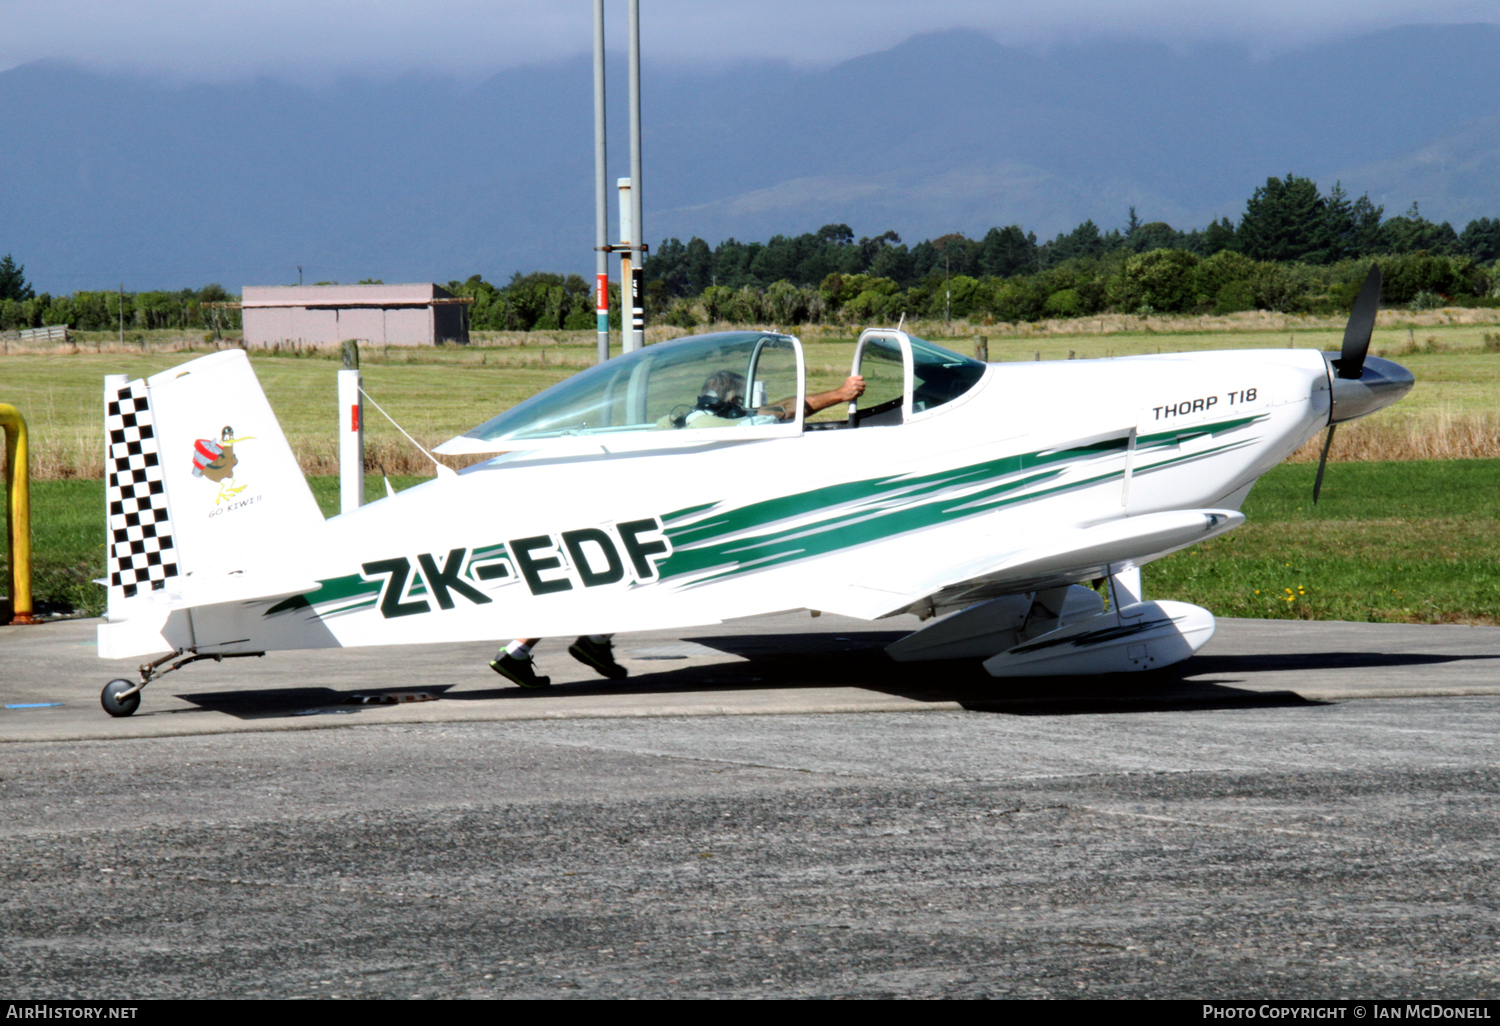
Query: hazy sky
point(310, 40)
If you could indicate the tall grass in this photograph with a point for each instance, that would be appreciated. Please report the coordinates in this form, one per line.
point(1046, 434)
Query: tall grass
point(1433, 435)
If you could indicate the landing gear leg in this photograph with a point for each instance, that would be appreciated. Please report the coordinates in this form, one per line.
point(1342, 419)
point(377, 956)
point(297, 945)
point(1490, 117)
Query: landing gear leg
point(121, 697)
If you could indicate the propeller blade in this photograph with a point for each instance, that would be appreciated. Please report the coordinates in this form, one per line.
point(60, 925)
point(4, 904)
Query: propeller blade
point(1361, 326)
point(1322, 463)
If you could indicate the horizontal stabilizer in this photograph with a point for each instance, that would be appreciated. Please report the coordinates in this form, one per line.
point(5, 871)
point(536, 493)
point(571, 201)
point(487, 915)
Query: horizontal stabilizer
point(213, 591)
point(147, 630)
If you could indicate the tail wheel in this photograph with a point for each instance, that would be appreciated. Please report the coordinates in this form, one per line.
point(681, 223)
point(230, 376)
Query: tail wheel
point(114, 704)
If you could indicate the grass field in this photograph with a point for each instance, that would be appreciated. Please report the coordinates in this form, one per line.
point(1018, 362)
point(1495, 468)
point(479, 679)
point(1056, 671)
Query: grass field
point(1412, 542)
point(1454, 410)
point(1396, 542)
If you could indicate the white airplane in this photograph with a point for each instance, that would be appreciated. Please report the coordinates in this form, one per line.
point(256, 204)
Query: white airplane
point(634, 497)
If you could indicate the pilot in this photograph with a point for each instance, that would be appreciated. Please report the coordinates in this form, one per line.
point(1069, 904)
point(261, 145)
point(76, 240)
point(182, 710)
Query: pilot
point(720, 402)
point(722, 397)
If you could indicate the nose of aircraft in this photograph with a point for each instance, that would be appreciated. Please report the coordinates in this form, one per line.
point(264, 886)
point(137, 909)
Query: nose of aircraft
point(1380, 383)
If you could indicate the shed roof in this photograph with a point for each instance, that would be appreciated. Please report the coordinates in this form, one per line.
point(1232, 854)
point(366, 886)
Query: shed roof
point(424, 294)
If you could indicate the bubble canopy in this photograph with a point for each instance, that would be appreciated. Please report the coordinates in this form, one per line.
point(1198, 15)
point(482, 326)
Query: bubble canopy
point(748, 383)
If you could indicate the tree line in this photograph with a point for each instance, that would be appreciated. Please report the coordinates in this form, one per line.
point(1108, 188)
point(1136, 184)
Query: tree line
point(1293, 249)
point(1286, 220)
point(21, 307)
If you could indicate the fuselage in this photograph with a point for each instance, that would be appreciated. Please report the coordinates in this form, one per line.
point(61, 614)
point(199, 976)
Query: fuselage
point(865, 520)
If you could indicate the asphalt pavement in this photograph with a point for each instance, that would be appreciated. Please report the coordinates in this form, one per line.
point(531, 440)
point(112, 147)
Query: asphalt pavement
point(764, 808)
point(779, 664)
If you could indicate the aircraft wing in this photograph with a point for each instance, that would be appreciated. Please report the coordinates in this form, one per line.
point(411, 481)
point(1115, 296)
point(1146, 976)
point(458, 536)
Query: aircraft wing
point(1062, 557)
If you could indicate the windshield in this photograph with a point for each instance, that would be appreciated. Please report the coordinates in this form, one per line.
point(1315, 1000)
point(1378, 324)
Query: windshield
point(727, 380)
point(939, 375)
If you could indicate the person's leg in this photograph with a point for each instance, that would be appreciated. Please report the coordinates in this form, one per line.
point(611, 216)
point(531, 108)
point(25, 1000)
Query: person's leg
point(514, 662)
point(597, 652)
point(521, 647)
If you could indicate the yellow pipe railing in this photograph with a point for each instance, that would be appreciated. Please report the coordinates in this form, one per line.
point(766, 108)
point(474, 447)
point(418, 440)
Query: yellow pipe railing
point(17, 513)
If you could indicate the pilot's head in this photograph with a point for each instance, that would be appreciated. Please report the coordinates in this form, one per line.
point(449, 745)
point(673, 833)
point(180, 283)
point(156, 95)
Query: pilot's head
point(727, 386)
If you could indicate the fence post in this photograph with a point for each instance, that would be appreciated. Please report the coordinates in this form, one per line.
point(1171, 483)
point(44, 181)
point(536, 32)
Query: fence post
point(981, 349)
point(351, 433)
point(17, 513)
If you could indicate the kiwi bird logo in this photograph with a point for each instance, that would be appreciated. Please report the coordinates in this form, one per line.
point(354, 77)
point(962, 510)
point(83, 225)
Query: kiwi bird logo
point(216, 461)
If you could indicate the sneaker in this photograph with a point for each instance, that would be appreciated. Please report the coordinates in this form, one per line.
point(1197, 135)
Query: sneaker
point(521, 671)
point(600, 655)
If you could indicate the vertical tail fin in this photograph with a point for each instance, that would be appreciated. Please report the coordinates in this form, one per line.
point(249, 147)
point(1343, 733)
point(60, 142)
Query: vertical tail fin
point(200, 481)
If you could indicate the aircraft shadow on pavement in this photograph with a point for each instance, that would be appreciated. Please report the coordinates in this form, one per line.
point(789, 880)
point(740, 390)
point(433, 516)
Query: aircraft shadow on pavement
point(264, 703)
point(857, 660)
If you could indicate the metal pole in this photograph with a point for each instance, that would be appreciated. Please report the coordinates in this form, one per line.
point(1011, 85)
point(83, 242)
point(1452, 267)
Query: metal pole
point(637, 233)
point(351, 433)
point(601, 191)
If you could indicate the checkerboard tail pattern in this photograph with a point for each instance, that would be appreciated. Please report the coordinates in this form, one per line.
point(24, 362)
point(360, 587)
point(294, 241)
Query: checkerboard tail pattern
point(141, 553)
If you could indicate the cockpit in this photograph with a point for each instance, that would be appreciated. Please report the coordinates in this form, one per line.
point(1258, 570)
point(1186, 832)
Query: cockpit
point(736, 384)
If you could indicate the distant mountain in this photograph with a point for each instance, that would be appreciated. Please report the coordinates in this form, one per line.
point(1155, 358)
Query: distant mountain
point(105, 178)
point(1454, 176)
point(954, 131)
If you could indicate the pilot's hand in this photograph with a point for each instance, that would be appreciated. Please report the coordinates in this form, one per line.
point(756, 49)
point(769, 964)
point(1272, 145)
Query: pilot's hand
point(852, 388)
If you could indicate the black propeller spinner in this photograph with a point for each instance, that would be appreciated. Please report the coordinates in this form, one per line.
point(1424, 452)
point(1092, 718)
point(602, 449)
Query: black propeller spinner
point(1351, 361)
